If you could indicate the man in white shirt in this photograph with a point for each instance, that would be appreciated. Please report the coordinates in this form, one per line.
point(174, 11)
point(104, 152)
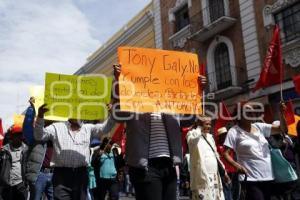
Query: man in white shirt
point(71, 141)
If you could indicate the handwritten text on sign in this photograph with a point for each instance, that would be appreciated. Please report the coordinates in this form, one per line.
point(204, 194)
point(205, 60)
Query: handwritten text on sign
point(77, 97)
point(155, 80)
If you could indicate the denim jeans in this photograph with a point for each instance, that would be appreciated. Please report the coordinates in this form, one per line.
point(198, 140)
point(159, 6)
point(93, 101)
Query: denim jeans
point(42, 186)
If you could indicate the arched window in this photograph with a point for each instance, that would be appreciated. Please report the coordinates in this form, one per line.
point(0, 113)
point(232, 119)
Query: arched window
point(216, 9)
point(222, 66)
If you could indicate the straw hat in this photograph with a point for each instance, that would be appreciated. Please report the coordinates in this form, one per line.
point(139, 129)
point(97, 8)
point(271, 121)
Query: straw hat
point(222, 131)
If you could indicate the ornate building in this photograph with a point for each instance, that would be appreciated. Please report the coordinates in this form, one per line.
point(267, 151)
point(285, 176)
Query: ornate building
point(231, 37)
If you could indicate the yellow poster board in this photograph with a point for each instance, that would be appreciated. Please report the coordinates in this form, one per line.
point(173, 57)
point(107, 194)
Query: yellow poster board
point(154, 80)
point(292, 129)
point(18, 120)
point(37, 92)
point(77, 97)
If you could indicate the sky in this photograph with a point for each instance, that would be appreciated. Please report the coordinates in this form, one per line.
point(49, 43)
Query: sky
point(38, 36)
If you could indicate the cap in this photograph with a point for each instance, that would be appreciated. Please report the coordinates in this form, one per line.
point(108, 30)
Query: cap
point(222, 130)
point(16, 129)
point(276, 123)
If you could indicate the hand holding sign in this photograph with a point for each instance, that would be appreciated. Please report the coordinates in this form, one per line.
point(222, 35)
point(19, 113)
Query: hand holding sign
point(77, 97)
point(117, 71)
point(42, 110)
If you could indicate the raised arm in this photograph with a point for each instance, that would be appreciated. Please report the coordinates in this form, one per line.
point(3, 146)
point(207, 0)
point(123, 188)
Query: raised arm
point(28, 125)
point(282, 128)
point(41, 133)
point(117, 114)
point(193, 136)
point(103, 128)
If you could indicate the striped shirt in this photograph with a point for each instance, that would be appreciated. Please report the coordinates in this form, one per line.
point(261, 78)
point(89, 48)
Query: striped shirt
point(159, 145)
point(71, 148)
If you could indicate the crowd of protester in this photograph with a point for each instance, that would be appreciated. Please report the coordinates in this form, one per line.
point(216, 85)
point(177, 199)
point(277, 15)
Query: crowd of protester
point(67, 160)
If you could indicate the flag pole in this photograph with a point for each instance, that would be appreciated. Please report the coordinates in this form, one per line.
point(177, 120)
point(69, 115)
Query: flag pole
point(281, 93)
point(202, 72)
point(281, 63)
point(203, 102)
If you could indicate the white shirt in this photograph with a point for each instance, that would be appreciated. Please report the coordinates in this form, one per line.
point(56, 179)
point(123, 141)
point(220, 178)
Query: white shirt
point(252, 150)
point(210, 160)
point(71, 148)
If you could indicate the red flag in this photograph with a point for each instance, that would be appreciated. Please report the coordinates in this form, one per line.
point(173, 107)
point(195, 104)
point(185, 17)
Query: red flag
point(296, 80)
point(272, 70)
point(202, 69)
point(223, 117)
point(184, 132)
point(123, 144)
point(1, 134)
point(118, 134)
point(289, 113)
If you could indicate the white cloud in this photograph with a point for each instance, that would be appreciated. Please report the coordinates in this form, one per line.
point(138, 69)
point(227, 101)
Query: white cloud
point(38, 36)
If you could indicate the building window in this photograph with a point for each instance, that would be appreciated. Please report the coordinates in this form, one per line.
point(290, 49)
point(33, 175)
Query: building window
point(222, 66)
point(289, 22)
point(216, 9)
point(182, 18)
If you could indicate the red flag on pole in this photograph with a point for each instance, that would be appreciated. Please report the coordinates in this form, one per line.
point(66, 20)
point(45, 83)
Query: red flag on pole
point(1, 134)
point(289, 113)
point(223, 117)
point(272, 70)
point(118, 134)
point(296, 80)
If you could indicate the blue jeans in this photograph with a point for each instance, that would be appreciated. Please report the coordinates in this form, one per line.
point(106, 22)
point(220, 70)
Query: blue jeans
point(42, 186)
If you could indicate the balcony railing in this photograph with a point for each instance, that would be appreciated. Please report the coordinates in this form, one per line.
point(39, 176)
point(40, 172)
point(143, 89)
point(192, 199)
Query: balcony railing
point(212, 19)
point(231, 76)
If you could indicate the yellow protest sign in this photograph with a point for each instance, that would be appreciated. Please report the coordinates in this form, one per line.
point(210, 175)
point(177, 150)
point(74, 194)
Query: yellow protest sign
point(77, 97)
point(18, 120)
point(292, 128)
point(154, 80)
point(37, 92)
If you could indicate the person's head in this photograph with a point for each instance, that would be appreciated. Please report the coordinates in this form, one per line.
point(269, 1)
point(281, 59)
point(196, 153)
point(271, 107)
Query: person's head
point(115, 151)
point(32, 100)
point(222, 132)
point(104, 143)
point(75, 122)
point(205, 123)
point(248, 112)
point(16, 136)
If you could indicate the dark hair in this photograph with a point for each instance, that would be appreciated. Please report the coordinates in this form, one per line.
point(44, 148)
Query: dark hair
point(104, 143)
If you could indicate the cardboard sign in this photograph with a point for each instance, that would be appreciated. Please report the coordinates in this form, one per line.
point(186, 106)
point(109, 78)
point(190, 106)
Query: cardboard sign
point(154, 80)
point(292, 128)
point(77, 97)
point(18, 120)
point(37, 92)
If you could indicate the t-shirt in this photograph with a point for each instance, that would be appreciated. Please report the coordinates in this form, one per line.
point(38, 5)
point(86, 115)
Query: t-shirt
point(108, 168)
point(15, 172)
point(252, 151)
point(159, 146)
